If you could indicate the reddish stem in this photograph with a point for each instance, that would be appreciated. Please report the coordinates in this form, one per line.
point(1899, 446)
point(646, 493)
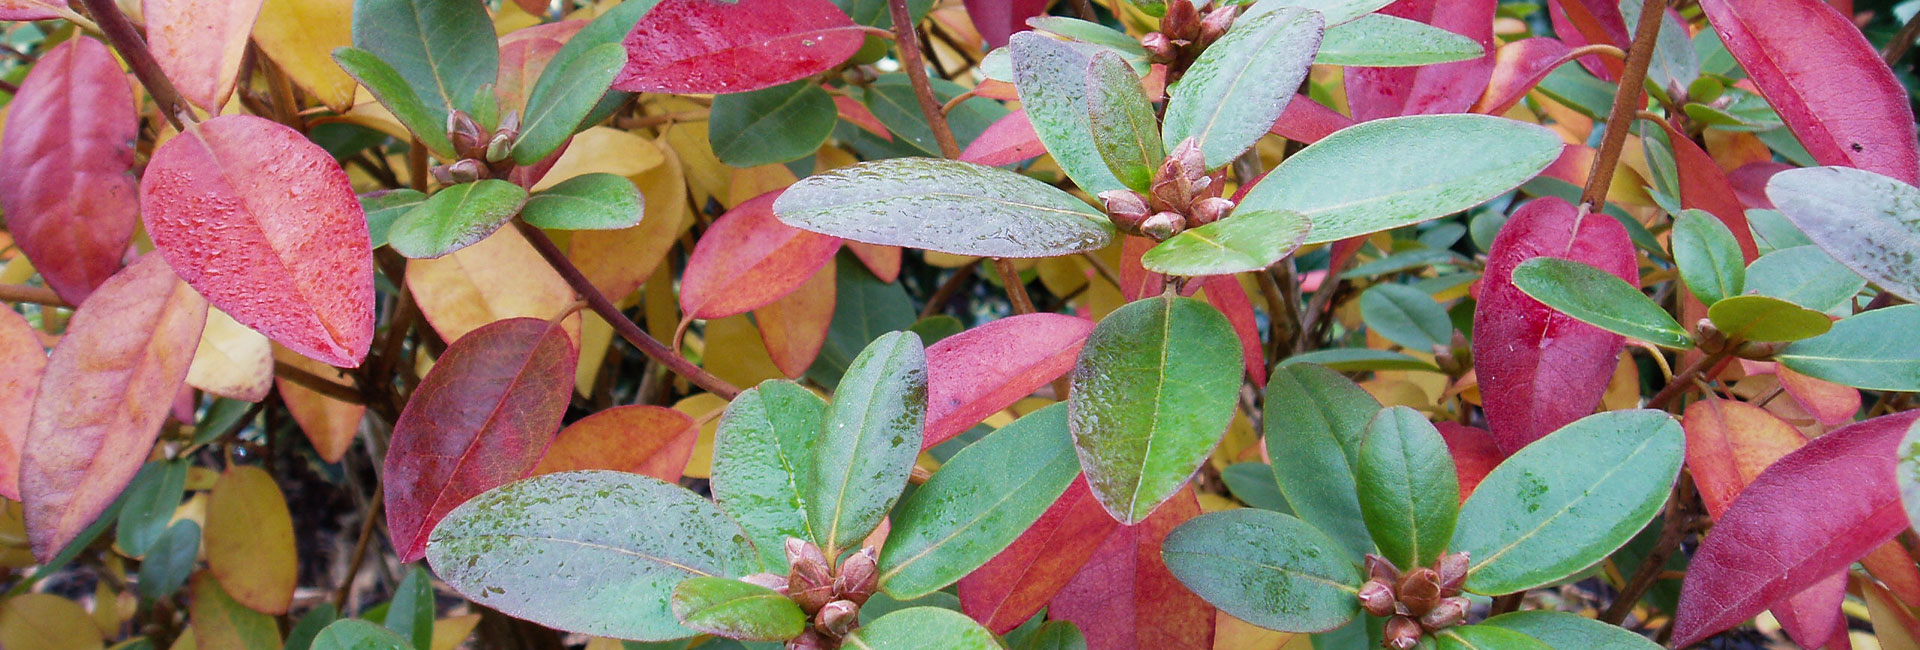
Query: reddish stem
point(1626, 102)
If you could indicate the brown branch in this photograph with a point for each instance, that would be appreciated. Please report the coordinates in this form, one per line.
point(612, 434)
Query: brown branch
point(127, 41)
point(621, 324)
point(1016, 288)
point(937, 302)
point(1679, 522)
point(1085, 10)
point(359, 556)
point(1626, 102)
point(1684, 381)
point(8, 88)
point(1902, 41)
point(32, 295)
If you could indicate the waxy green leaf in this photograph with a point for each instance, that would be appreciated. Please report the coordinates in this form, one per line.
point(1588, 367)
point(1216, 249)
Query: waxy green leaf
point(455, 218)
point(1241, 83)
point(1478, 637)
point(1565, 631)
point(151, 498)
point(1568, 500)
point(1409, 493)
point(737, 610)
point(446, 50)
point(556, 110)
point(1265, 568)
point(1315, 419)
point(1863, 351)
point(1382, 41)
point(1392, 172)
point(1407, 316)
point(1053, 77)
point(771, 125)
point(1708, 256)
point(595, 552)
point(384, 207)
point(596, 201)
point(1358, 360)
point(1762, 318)
point(1247, 240)
point(1867, 221)
point(1125, 132)
point(169, 560)
point(410, 613)
point(392, 91)
point(1600, 299)
point(1153, 391)
point(1337, 12)
point(762, 458)
point(1805, 276)
point(355, 634)
point(922, 628)
point(612, 26)
point(872, 436)
point(946, 206)
point(978, 502)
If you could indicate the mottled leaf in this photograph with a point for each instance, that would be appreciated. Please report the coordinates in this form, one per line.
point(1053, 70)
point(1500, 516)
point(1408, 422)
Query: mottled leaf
point(650, 440)
point(872, 435)
point(1054, 77)
point(1240, 84)
point(1265, 568)
point(1869, 222)
point(736, 610)
point(199, 44)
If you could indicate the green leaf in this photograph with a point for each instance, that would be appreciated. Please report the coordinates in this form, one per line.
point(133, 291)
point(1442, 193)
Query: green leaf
point(310, 625)
point(1568, 500)
point(455, 218)
point(892, 99)
point(1761, 318)
point(1380, 41)
point(1479, 637)
point(151, 498)
point(1805, 276)
point(1240, 84)
point(1315, 419)
point(737, 610)
point(1388, 173)
point(1125, 132)
point(761, 460)
point(1337, 12)
point(410, 615)
point(1907, 470)
point(1265, 568)
point(593, 552)
point(169, 560)
point(1252, 483)
point(922, 628)
point(399, 98)
point(1055, 635)
point(354, 634)
point(863, 309)
point(446, 50)
point(771, 125)
point(1565, 631)
point(385, 207)
point(1053, 77)
point(978, 503)
point(1153, 392)
point(1869, 350)
point(612, 26)
point(1360, 360)
point(872, 436)
point(597, 201)
point(1867, 221)
point(1247, 240)
point(1600, 299)
point(1091, 33)
point(555, 110)
point(1407, 316)
point(1708, 256)
point(946, 206)
point(1409, 493)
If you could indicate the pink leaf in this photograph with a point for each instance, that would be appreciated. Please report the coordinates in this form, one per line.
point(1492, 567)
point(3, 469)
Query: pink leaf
point(1813, 616)
point(1225, 294)
point(711, 47)
point(997, 20)
point(70, 198)
point(1375, 93)
point(1015, 584)
point(856, 113)
point(264, 223)
point(1307, 121)
point(1828, 84)
point(481, 418)
point(1750, 182)
point(1474, 454)
point(109, 385)
point(32, 9)
point(199, 44)
point(749, 259)
point(1582, 22)
point(1517, 68)
point(22, 362)
point(1540, 369)
point(975, 373)
point(1811, 514)
point(1010, 139)
point(1126, 599)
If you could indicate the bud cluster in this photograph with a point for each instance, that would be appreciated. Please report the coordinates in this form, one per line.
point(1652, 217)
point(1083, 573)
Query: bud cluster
point(1183, 195)
point(479, 154)
point(1184, 32)
point(1422, 601)
point(831, 598)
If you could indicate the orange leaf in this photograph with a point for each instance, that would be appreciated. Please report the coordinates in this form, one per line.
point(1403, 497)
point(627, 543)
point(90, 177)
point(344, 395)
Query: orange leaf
point(1893, 566)
point(883, 261)
point(748, 259)
point(648, 440)
point(330, 424)
point(199, 44)
point(249, 539)
point(795, 326)
point(501, 277)
point(1729, 444)
point(1830, 403)
point(22, 361)
point(619, 261)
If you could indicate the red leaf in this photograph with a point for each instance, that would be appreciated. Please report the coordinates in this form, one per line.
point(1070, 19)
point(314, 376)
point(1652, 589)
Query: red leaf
point(521, 62)
point(1373, 93)
point(1811, 514)
point(1225, 294)
point(1126, 599)
point(1828, 84)
point(1540, 369)
point(70, 198)
point(535, 7)
point(31, 9)
point(199, 44)
point(997, 20)
point(975, 373)
point(795, 327)
point(748, 259)
point(1008, 140)
point(1813, 616)
point(1580, 22)
point(649, 440)
point(1136, 281)
point(1703, 186)
point(857, 114)
point(1729, 444)
point(1830, 403)
point(1517, 68)
point(264, 224)
point(110, 383)
point(882, 260)
point(1750, 183)
point(706, 46)
point(1014, 585)
point(481, 418)
point(22, 362)
point(1307, 121)
point(1474, 454)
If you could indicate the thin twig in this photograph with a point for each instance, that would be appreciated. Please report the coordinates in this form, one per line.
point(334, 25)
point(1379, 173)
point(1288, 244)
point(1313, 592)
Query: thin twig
point(29, 294)
point(621, 324)
point(1084, 9)
point(417, 166)
point(937, 302)
point(1679, 522)
point(1016, 288)
point(8, 88)
point(127, 41)
point(1902, 40)
point(359, 548)
point(1684, 381)
point(1100, 266)
point(1628, 100)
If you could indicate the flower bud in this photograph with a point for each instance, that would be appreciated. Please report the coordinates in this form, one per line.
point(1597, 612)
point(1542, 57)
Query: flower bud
point(1448, 613)
point(510, 125)
point(1182, 22)
point(837, 618)
point(1124, 202)
point(807, 561)
point(1209, 210)
point(1192, 160)
point(465, 170)
point(1158, 47)
point(1216, 24)
point(811, 640)
point(1376, 597)
point(772, 581)
point(464, 133)
point(499, 147)
point(859, 575)
point(1402, 633)
point(1453, 572)
point(1163, 225)
point(1379, 568)
point(1419, 590)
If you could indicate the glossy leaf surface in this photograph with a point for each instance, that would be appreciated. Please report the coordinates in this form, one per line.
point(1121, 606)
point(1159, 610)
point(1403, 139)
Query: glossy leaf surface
point(1869, 222)
point(698, 46)
point(1315, 421)
point(1237, 88)
point(1858, 352)
point(915, 627)
point(1265, 568)
point(444, 49)
point(555, 109)
point(762, 458)
point(1762, 318)
point(773, 125)
point(1247, 240)
point(1600, 299)
point(736, 610)
point(455, 218)
point(1476, 637)
point(1054, 78)
point(749, 259)
point(650, 440)
point(199, 44)
point(1125, 131)
point(1708, 257)
point(1563, 631)
point(354, 634)
point(598, 201)
point(872, 435)
point(978, 372)
point(1409, 492)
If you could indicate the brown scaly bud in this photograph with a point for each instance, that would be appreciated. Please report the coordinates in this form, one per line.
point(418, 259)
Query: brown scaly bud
point(1448, 613)
point(499, 147)
point(1379, 568)
point(837, 618)
point(1209, 210)
point(465, 170)
point(1708, 337)
point(811, 640)
point(859, 575)
point(1182, 22)
point(1181, 179)
point(1419, 590)
point(1376, 596)
point(468, 140)
point(1126, 209)
point(772, 581)
point(1453, 572)
point(1159, 48)
point(1402, 633)
point(809, 584)
point(1163, 225)
point(1216, 23)
point(510, 125)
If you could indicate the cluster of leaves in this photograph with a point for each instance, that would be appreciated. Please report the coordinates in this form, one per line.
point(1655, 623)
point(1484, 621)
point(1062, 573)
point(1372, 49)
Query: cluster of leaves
point(895, 324)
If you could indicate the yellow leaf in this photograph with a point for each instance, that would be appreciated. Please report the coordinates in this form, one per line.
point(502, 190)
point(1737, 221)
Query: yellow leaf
point(618, 261)
point(1230, 633)
point(1210, 502)
point(793, 328)
point(330, 424)
point(1062, 275)
point(185, 641)
point(299, 35)
point(106, 611)
point(1623, 390)
point(755, 181)
point(249, 539)
point(225, 623)
point(733, 352)
point(511, 17)
point(596, 337)
point(830, 157)
point(661, 306)
point(46, 621)
point(706, 175)
point(603, 150)
point(1893, 624)
point(1239, 437)
point(703, 408)
point(602, 643)
point(1397, 393)
point(947, 260)
point(15, 552)
point(232, 361)
point(450, 632)
point(500, 277)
